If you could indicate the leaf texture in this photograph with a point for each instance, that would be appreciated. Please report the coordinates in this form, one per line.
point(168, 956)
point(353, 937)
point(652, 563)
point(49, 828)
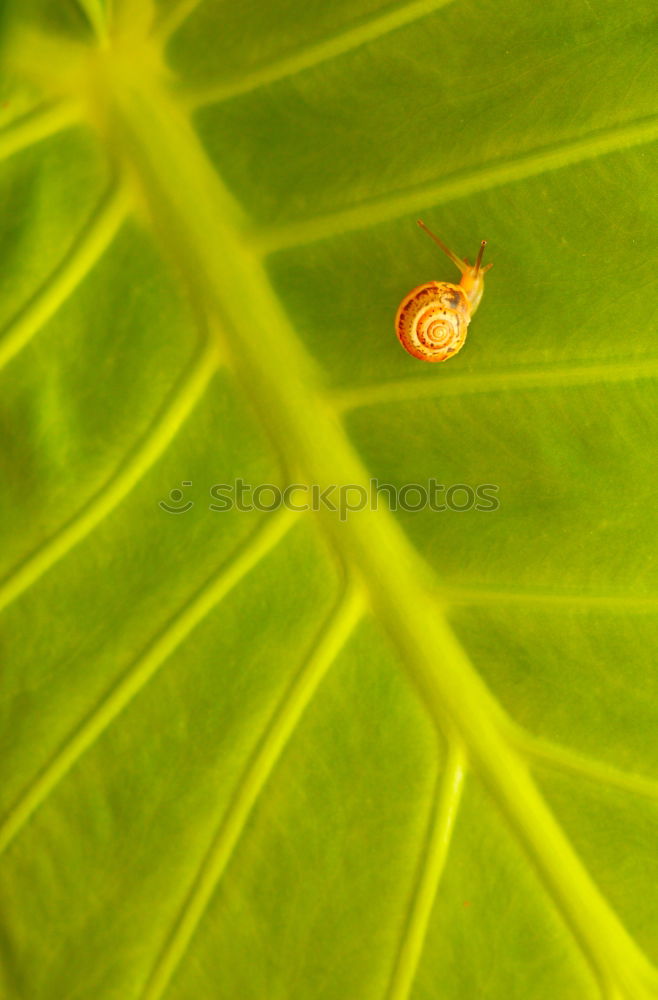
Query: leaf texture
point(385, 754)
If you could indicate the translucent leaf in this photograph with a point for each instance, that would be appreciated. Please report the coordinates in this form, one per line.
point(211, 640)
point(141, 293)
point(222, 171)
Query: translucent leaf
point(404, 752)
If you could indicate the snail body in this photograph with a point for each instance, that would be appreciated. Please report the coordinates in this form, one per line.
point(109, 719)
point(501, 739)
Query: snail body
point(432, 320)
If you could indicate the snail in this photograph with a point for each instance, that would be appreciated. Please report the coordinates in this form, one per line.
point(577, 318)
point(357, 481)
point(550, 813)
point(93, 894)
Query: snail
point(432, 320)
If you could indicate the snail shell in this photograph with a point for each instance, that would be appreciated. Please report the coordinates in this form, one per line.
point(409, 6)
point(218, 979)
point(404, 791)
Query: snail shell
point(432, 320)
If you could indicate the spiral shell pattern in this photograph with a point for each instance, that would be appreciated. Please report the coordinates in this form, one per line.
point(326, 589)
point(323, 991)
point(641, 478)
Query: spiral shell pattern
point(432, 321)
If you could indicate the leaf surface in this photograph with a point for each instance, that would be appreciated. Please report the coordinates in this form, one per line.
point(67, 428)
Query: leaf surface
point(378, 754)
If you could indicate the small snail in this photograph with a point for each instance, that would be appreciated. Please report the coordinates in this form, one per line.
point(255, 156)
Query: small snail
point(432, 320)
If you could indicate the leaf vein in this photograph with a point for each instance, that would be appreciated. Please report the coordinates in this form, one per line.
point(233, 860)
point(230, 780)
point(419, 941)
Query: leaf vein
point(81, 257)
point(646, 604)
point(160, 649)
point(443, 814)
point(173, 19)
point(541, 377)
point(36, 125)
point(465, 184)
point(313, 55)
point(162, 431)
point(564, 759)
point(279, 730)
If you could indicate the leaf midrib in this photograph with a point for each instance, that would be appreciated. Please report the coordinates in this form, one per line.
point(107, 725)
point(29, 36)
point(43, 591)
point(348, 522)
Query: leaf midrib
point(199, 225)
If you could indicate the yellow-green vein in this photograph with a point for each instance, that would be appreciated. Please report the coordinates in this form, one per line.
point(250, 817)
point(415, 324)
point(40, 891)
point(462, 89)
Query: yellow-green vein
point(171, 20)
point(37, 125)
point(272, 529)
point(472, 596)
point(161, 432)
point(416, 200)
point(95, 12)
point(445, 806)
point(313, 55)
point(283, 723)
point(541, 377)
point(90, 245)
point(562, 758)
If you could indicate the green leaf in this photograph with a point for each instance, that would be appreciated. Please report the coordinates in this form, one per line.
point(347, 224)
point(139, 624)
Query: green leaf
point(385, 754)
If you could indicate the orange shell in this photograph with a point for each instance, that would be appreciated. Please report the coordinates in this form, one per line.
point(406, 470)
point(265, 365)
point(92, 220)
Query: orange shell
point(432, 320)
